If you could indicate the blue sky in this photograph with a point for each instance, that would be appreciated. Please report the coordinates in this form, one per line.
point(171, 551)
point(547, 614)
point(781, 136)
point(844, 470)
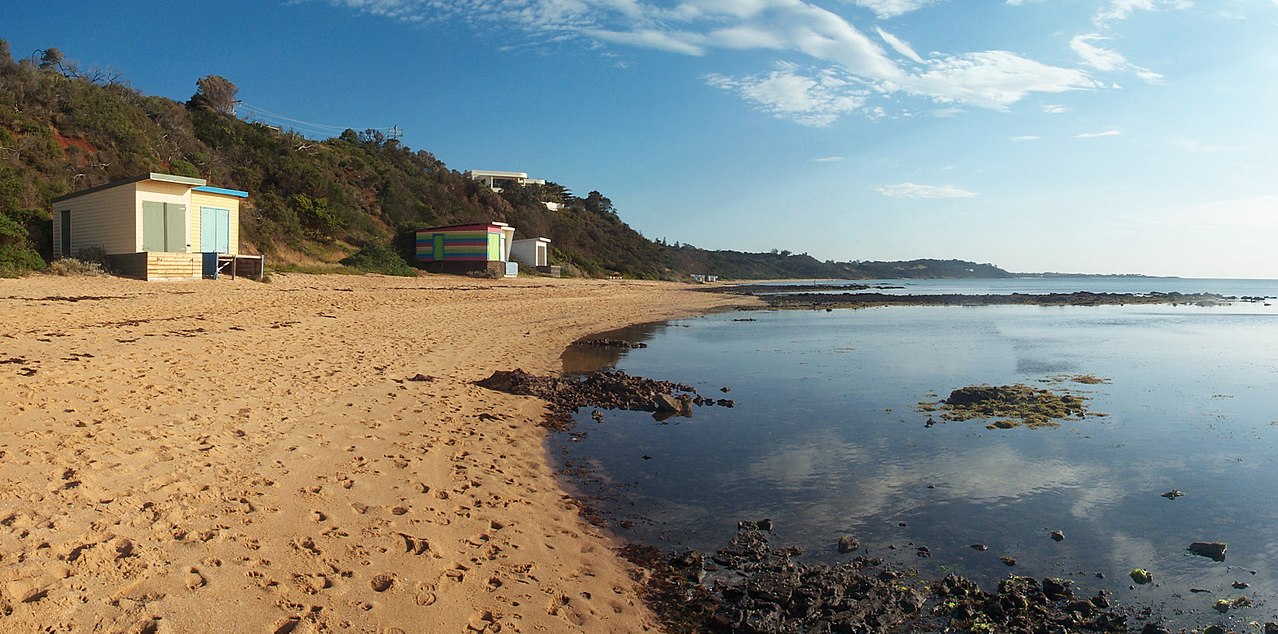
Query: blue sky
point(1095, 136)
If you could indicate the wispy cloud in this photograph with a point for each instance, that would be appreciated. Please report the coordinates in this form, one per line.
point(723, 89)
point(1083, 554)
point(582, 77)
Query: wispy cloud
point(851, 61)
point(1116, 10)
point(901, 47)
point(1053, 108)
point(994, 79)
point(885, 9)
point(828, 159)
point(816, 99)
point(1107, 59)
point(1026, 137)
point(1097, 135)
point(914, 190)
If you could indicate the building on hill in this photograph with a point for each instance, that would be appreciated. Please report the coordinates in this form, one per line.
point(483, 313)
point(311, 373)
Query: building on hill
point(156, 226)
point(466, 248)
point(497, 180)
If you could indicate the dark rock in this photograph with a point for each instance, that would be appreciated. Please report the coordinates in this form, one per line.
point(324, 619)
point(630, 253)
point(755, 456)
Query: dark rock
point(1008, 560)
point(726, 402)
point(980, 547)
point(725, 389)
point(848, 544)
point(1271, 627)
point(611, 343)
point(1212, 550)
point(1173, 494)
point(761, 525)
point(1081, 608)
point(923, 551)
point(1058, 535)
point(1154, 628)
point(666, 403)
point(421, 378)
point(1056, 589)
point(1241, 585)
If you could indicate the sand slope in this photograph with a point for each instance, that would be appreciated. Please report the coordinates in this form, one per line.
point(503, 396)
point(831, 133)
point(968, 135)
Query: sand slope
point(246, 457)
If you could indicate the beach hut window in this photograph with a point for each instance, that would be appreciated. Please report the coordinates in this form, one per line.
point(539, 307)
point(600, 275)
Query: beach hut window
point(215, 230)
point(163, 227)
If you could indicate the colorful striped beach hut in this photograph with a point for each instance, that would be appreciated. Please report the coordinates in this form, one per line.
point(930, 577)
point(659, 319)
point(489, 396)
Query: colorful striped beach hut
point(464, 248)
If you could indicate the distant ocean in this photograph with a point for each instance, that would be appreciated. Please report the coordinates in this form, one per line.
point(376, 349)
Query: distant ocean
point(825, 438)
point(1040, 285)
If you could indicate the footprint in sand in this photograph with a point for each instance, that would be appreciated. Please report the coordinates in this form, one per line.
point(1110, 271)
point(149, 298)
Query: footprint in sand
point(381, 583)
point(194, 579)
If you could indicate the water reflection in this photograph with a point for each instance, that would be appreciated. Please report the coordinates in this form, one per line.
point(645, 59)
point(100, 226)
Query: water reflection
point(824, 439)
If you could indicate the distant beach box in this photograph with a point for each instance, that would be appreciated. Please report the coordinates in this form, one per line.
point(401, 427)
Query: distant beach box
point(466, 248)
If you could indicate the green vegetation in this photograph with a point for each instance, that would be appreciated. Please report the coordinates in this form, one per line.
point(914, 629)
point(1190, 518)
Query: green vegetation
point(1010, 406)
point(354, 199)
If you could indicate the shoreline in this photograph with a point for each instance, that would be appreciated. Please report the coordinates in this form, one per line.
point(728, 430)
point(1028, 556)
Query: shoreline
point(204, 455)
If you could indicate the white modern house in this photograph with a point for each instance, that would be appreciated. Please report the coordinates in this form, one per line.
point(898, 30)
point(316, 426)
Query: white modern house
point(496, 180)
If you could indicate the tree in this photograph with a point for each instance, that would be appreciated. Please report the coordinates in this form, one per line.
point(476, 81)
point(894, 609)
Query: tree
point(214, 93)
point(51, 58)
point(599, 204)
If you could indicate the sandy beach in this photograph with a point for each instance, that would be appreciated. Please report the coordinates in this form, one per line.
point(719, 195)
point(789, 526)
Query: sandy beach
point(247, 457)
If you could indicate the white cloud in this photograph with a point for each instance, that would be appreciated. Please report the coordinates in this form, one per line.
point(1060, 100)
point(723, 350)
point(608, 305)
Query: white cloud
point(914, 190)
point(901, 47)
point(1106, 59)
point(885, 9)
point(1026, 137)
point(1116, 10)
point(828, 159)
point(1097, 135)
point(816, 99)
point(853, 61)
point(993, 79)
point(1053, 108)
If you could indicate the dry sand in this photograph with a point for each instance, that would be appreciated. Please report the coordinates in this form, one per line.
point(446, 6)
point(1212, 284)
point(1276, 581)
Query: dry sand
point(245, 457)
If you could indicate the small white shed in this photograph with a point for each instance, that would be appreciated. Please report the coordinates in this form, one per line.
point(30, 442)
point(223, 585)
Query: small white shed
point(532, 252)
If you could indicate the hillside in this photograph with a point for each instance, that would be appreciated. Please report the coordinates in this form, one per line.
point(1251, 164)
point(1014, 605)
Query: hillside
point(317, 202)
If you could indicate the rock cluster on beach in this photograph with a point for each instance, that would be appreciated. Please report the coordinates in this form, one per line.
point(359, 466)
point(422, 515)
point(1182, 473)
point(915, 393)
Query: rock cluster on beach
point(609, 389)
point(748, 586)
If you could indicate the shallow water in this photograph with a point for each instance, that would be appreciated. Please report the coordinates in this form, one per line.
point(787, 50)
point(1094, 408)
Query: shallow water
point(825, 439)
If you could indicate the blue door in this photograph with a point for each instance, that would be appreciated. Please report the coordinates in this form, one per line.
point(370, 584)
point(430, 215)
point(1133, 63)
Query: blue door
point(215, 230)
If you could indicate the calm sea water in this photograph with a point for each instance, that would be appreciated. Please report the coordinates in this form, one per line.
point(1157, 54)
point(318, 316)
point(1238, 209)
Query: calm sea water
point(825, 440)
point(1236, 288)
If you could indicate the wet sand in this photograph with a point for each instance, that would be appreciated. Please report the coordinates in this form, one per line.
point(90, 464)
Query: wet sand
point(248, 457)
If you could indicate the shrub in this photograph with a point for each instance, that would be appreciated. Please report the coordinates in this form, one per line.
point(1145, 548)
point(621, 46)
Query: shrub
point(72, 266)
point(180, 167)
point(375, 257)
point(17, 260)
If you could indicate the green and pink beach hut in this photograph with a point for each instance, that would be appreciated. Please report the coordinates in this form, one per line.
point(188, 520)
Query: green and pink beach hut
point(465, 248)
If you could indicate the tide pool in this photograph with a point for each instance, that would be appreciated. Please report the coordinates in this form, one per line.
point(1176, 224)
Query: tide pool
point(825, 440)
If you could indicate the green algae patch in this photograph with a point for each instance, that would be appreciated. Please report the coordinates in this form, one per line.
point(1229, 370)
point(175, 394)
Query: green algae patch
point(1141, 576)
point(1085, 379)
point(1010, 406)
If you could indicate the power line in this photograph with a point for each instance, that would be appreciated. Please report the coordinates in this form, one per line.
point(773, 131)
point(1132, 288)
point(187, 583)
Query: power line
point(266, 116)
